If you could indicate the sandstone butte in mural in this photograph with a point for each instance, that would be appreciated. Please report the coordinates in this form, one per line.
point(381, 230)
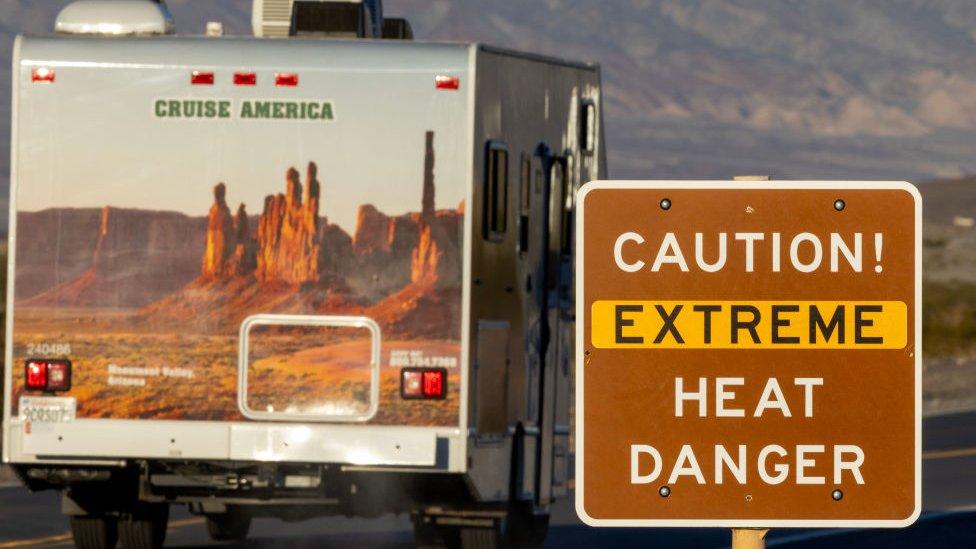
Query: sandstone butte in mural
point(162, 289)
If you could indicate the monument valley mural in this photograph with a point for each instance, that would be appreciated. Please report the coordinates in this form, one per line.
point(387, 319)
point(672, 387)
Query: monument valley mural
point(149, 303)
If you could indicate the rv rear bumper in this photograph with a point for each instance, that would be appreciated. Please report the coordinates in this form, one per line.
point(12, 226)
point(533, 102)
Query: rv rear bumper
point(440, 449)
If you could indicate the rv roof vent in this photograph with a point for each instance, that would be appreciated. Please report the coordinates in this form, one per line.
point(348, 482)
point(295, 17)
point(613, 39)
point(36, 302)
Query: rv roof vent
point(115, 17)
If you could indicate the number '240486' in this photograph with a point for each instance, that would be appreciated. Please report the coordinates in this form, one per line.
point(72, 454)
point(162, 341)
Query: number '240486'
point(48, 349)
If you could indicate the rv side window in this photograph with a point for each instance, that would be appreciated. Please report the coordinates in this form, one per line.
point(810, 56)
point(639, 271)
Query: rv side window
point(588, 127)
point(569, 188)
point(496, 191)
point(525, 194)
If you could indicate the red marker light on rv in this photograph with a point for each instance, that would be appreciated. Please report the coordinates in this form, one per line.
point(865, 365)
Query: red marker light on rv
point(286, 79)
point(245, 79)
point(202, 78)
point(444, 82)
point(42, 75)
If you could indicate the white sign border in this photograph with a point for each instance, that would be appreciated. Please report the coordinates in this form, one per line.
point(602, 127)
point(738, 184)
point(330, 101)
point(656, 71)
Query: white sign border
point(746, 185)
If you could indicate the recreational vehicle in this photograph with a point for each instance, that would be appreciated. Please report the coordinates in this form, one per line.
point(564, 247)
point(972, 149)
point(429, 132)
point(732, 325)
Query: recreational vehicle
point(322, 270)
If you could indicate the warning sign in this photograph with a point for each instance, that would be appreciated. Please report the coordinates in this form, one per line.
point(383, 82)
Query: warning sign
point(748, 354)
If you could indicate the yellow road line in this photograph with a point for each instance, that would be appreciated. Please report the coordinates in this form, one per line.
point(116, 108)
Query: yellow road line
point(67, 535)
point(34, 541)
point(945, 454)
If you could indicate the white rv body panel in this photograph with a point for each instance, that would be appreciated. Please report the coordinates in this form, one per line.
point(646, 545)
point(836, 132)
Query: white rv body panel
point(397, 220)
point(87, 122)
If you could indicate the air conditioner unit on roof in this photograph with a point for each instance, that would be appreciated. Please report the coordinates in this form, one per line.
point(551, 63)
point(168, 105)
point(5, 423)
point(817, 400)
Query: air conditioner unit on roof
point(334, 18)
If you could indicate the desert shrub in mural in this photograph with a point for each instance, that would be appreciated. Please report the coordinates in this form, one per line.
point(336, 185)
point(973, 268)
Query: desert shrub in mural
point(148, 304)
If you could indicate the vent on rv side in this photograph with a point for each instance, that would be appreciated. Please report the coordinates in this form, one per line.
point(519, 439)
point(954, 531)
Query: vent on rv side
point(115, 18)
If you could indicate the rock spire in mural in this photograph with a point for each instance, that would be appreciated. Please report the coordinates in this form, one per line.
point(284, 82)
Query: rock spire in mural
point(288, 237)
point(220, 235)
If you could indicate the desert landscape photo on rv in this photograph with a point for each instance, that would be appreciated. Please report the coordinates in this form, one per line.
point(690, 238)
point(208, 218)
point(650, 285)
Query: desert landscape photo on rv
point(181, 285)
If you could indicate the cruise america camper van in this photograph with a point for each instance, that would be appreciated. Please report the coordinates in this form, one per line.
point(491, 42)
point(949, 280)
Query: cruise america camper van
point(323, 270)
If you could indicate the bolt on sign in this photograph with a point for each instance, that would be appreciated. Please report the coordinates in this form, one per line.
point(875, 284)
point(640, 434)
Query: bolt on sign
point(749, 354)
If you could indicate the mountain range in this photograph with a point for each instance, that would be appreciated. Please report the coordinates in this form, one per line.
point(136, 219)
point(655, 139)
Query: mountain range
point(837, 89)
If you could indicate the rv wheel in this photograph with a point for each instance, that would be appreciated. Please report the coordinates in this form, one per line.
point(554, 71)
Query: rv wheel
point(480, 538)
point(94, 532)
point(526, 528)
point(144, 528)
point(229, 526)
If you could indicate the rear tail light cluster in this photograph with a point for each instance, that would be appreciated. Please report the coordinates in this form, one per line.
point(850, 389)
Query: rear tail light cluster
point(48, 374)
point(423, 383)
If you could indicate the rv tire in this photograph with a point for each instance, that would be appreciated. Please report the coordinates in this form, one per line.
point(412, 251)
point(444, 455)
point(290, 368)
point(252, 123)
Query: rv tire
point(229, 526)
point(480, 538)
point(94, 532)
point(145, 527)
point(526, 528)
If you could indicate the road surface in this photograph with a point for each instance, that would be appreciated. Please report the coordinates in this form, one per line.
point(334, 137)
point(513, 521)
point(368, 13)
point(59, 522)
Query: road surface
point(948, 488)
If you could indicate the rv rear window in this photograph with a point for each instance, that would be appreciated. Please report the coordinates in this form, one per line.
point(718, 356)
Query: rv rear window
point(496, 191)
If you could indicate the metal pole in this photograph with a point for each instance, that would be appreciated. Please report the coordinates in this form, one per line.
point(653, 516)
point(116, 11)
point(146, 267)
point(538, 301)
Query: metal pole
point(749, 538)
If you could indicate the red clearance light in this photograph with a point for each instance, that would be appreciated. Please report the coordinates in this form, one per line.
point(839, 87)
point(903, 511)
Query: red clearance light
point(42, 75)
point(202, 78)
point(423, 383)
point(245, 79)
point(48, 375)
point(443, 82)
point(286, 79)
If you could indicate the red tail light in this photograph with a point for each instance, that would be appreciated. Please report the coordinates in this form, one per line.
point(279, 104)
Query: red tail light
point(423, 383)
point(42, 75)
point(36, 375)
point(286, 79)
point(245, 79)
point(48, 375)
point(434, 383)
point(202, 78)
point(443, 82)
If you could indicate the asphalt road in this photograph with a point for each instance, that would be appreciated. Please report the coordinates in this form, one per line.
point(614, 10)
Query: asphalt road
point(948, 488)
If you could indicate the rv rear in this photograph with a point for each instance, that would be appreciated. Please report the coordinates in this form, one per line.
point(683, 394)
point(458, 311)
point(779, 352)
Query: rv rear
point(245, 274)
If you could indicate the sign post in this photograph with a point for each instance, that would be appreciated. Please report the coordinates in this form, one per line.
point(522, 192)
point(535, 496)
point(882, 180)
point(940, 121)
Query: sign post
point(748, 355)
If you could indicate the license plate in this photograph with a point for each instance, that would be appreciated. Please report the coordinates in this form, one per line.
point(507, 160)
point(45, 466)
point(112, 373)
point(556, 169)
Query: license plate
point(47, 409)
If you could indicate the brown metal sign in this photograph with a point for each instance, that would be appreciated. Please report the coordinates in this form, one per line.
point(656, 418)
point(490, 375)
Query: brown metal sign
point(748, 354)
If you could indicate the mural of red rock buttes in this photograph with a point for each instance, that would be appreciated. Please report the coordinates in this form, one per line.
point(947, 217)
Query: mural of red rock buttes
point(158, 290)
point(287, 259)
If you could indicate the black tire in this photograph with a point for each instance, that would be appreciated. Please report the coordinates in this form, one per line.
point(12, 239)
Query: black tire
point(480, 538)
point(94, 532)
point(528, 530)
point(230, 526)
point(425, 533)
point(145, 528)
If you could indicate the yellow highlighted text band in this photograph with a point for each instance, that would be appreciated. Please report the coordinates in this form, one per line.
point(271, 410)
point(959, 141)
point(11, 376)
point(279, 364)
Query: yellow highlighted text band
point(749, 324)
